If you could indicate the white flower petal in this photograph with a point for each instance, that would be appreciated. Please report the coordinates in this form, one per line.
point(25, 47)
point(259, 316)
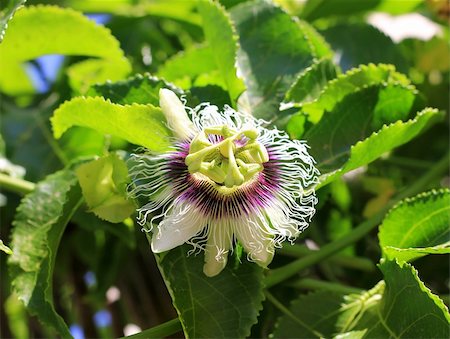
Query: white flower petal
point(177, 228)
point(257, 242)
point(175, 114)
point(219, 242)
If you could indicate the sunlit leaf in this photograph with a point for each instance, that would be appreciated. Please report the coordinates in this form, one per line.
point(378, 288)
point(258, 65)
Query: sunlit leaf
point(6, 13)
point(417, 227)
point(345, 84)
point(224, 306)
point(42, 30)
point(182, 10)
point(38, 226)
point(185, 67)
point(142, 125)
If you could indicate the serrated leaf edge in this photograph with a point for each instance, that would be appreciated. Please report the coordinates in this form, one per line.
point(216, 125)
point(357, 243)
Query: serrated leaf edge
point(29, 10)
point(324, 179)
point(58, 132)
point(437, 301)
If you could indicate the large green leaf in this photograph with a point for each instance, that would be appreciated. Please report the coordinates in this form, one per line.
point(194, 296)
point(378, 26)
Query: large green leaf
point(354, 119)
point(42, 30)
point(317, 320)
point(315, 9)
point(222, 40)
point(401, 306)
point(177, 10)
point(6, 13)
point(38, 226)
point(345, 84)
point(142, 125)
point(311, 82)
point(407, 309)
point(386, 139)
point(185, 67)
point(224, 306)
point(381, 48)
point(274, 49)
point(138, 89)
point(417, 227)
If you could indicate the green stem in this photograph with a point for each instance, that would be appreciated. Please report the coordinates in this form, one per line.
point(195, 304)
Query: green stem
point(346, 261)
point(161, 331)
point(315, 284)
point(408, 162)
point(280, 274)
point(15, 184)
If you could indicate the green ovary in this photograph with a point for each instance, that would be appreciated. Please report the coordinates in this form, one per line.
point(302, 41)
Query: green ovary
point(231, 162)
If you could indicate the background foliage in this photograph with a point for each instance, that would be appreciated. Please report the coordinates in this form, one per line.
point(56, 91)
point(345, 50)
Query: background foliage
point(77, 97)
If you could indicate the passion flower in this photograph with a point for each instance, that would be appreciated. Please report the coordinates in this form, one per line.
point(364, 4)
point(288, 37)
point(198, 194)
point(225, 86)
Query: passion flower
point(227, 179)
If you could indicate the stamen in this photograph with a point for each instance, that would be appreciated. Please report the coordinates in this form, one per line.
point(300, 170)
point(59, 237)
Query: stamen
point(231, 162)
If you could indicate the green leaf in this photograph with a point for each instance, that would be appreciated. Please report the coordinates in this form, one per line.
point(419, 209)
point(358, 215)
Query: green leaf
point(6, 13)
point(225, 306)
point(345, 84)
point(4, 248)
point(104, 185)
point(382, 141)
point(138, 124)
point(317, 320)
point(311, 82)
point(315, 9)
point(401, 306)
point(274, 49)
point(354, 119)
point(185, 67)
point(42, 30)
point(417, 227)
point(398, 7)
point(183, 10)
point(221, 38)
point(17, 317)
point(138, 89)
point(407, 309)
point(381, 48)
point(38, 226)
point(28, 142)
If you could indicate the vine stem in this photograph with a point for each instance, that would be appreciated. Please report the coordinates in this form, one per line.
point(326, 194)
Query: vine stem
point(316, 284)
point(160, 331)
point(15, 184)
point(278, 275)
point(357, 263)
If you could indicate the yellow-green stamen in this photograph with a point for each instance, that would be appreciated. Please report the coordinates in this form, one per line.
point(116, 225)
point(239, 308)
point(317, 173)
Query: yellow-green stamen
point(232, 161)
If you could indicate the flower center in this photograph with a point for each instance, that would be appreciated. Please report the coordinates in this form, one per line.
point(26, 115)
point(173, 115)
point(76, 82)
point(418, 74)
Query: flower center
point(226, 156)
